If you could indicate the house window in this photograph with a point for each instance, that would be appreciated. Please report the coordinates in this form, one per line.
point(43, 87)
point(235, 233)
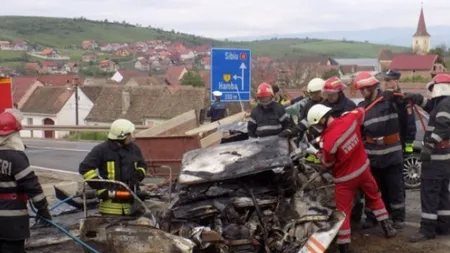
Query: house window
point(417, 42)
point(29, 121)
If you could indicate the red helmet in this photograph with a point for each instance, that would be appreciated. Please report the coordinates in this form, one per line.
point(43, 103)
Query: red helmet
point(264, 90)
point(365, 79)
point(8, 124)
point(440, 78)
point(333, 85)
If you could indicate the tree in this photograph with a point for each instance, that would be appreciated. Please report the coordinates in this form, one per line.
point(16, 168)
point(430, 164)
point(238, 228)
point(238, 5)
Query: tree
point(330, 73)
point(192, 78)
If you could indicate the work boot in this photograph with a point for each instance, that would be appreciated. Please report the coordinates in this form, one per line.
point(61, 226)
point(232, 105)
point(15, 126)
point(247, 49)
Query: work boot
point(345, 248)
point(368, 224)
point(399, 224)
point(389, 230)
point(419, 237)
point(442, 231)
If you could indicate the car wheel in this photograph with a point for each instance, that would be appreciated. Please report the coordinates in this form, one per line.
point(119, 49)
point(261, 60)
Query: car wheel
point(412, 170)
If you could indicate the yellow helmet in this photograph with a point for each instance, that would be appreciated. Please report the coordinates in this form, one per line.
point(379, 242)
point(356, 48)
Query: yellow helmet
point(120, 129)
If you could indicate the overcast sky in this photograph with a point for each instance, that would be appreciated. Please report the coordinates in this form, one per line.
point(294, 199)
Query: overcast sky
point(231, 18)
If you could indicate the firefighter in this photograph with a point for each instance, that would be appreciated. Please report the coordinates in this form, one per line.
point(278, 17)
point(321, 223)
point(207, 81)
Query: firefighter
point(218, 109)
point(435, 157)
point(314, 90)
point(344, 155)
point(279, 96)
point(408, 131)
point(381, 131)
point(117, 158)
point(269, 117)
point(17, 183)
point(333, 91)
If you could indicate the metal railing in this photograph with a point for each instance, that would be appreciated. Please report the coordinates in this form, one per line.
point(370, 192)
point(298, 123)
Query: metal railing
point(74, 128)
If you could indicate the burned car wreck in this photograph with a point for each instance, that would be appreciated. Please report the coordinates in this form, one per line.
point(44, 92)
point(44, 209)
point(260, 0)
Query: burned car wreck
point(252, 196)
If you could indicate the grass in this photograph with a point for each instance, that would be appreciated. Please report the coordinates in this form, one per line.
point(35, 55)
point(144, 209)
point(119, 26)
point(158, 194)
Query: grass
point(67, 35)
point(91, 136)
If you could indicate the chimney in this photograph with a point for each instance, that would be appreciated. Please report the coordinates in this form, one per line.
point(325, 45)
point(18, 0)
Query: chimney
point(125, 101)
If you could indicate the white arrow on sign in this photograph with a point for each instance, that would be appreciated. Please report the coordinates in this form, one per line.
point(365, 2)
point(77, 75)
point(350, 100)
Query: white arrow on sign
point(242, 67)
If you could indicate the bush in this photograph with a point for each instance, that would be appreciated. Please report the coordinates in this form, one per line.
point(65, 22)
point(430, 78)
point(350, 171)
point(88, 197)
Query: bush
point(92, 136)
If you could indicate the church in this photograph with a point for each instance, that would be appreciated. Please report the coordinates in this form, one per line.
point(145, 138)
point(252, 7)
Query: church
point(417, 65)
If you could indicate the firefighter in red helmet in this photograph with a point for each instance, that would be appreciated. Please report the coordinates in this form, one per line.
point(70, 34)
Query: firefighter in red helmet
point(269, 117)
point(333, 91)
point(435, 157)
point(19, 183)
point(381, 131)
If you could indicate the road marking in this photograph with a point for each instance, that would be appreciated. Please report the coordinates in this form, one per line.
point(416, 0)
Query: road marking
point(55, 170)
point(61, 149)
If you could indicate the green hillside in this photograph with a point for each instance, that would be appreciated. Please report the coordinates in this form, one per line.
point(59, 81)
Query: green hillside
point(66, 33)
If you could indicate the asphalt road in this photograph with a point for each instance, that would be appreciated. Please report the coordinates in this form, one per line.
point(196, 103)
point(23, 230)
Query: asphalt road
point(60, 155)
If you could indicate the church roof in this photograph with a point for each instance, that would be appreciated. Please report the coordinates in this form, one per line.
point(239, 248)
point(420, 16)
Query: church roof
point(421, 27)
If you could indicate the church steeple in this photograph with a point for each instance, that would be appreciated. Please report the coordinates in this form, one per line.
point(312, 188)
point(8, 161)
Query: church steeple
point(421, 26)
point(421, 39)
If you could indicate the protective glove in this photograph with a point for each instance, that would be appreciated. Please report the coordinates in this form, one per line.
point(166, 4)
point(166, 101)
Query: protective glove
point(388, 95)
point(138, 176)
point(311, 150)
point(409, 148)
point(425, 154)
point(416, 98)
point(44, 213)
point(286, 133)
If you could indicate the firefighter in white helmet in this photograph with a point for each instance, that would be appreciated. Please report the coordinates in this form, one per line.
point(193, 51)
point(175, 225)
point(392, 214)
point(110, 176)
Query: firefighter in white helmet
point(117, 158)
point(314, 90)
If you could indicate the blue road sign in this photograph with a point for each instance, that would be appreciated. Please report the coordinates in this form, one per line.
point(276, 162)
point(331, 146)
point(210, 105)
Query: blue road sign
point(231, 73)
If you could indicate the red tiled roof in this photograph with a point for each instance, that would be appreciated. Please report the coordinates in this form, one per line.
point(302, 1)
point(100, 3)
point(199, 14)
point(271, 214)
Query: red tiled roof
point(175, 72)
point(413, 62)
point(47, 51)
point(21, 84)
point(421, 27)
point(57, 80)
point(47, 100)
point(49, 64)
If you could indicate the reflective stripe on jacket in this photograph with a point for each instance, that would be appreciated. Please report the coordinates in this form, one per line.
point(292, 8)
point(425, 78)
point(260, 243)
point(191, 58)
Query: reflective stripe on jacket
point(268, 120)
point(115, 163)
point(18, 181)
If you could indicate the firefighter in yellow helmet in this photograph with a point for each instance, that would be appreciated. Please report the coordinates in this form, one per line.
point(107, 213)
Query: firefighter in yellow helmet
point(117, 158)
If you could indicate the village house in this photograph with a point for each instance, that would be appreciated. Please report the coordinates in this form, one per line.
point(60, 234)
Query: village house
point(186, 55)
point(23, 87)
point(71, 67)
point(142, 64)
point(116, 46)
point(106, 47)
point(174, 74)
point(50, 53)
point(423, 66)
point(56, 106)
point(20, 45)
point(122, 52)
point(145, 105)
point(5, 45)
point(89, 44)
point(108, 66)
point(50, 67)
point(88, 57)
point(206, 62)
point(202, 50)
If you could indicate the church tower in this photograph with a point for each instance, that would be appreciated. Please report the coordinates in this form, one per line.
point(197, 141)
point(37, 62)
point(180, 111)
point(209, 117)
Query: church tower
point(421, 39)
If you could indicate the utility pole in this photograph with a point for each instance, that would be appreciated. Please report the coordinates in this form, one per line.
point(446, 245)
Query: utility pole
point(75, 85)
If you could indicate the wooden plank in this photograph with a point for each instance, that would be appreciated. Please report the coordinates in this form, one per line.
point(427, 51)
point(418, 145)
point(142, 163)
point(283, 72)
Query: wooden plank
point(215, 125)
point(211, 139)
point(173, 126)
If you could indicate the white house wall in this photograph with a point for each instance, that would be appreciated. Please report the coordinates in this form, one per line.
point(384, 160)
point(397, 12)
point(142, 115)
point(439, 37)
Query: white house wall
point(66, 116)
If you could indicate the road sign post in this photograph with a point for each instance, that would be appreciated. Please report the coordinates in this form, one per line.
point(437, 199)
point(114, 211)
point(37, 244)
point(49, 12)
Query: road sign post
point(231, 73)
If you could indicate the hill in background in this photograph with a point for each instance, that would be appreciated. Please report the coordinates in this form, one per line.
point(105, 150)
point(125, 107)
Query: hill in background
point(63, 33)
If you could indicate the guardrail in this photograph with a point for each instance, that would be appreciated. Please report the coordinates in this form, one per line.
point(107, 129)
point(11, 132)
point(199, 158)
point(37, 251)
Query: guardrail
point(74, 128)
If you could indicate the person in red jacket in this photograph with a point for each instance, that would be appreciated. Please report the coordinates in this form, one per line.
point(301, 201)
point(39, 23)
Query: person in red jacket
point(342, 152)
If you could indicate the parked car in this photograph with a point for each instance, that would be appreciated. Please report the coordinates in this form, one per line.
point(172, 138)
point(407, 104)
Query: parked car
point(412, 166)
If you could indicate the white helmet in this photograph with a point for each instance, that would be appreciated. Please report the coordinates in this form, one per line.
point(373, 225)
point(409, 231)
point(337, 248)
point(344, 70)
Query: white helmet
point(120, 129)
point(316, 84)
point(217, 93)
point(316, 113)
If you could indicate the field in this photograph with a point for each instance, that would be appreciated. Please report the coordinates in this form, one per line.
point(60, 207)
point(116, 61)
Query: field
point(67, 35)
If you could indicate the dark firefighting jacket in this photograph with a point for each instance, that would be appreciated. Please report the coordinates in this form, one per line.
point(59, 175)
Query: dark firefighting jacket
point(343, 105)
point(438, 134)
point(268, 120)
point(115, 163)
point(17, 183)
point(381, 132)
